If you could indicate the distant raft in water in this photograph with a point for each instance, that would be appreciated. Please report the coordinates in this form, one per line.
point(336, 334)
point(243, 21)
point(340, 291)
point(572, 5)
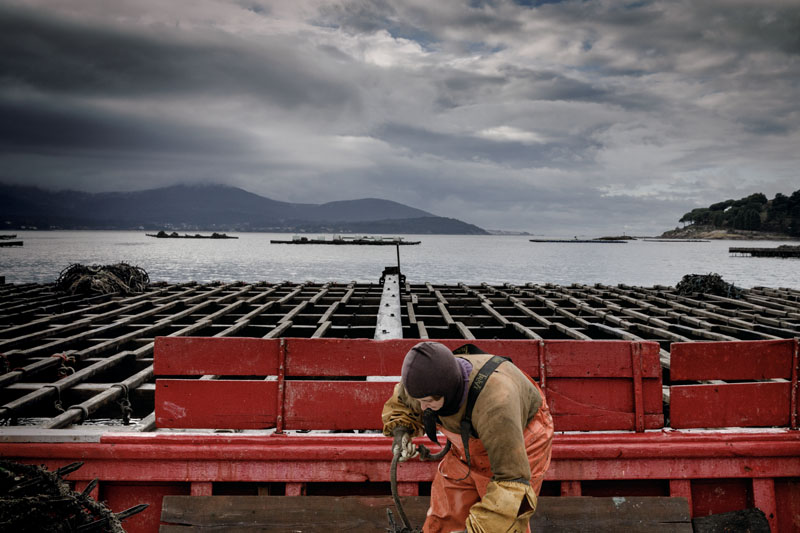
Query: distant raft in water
point(174, 235)
point(338, 239)
point(610, 241)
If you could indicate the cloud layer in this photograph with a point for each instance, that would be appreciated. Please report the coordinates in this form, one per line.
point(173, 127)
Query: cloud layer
point(552, 117)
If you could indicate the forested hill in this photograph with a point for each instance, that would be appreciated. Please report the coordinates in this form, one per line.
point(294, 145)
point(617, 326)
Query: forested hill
point(780, 215)
point(213, 208)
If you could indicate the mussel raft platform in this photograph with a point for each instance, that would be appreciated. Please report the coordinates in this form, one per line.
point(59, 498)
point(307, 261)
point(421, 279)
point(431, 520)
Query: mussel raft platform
point(90, 345)
point(74, 366)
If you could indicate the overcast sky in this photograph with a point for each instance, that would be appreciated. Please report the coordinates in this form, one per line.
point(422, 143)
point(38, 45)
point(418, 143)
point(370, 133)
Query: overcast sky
point(575, 117)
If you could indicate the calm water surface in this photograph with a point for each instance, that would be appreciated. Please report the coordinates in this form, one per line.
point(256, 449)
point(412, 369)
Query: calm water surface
point(438, 259)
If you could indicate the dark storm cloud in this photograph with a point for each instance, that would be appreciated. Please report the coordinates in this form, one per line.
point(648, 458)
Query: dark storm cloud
point(512, 154)
point(764, 26)
point(65, 56)
point(482, 22)
point(423, 22)
point(463, 87)
point(534, 115)
point(361, 16)
point(659, 31)
point(458, 88)
point(551, 85)
point(45, 127)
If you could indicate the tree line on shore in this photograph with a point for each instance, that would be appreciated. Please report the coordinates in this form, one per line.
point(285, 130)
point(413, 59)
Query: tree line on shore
point(752, 213)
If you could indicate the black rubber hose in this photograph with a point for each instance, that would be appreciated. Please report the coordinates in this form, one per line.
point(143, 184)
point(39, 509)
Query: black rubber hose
point(397, 504)
point(426, 455)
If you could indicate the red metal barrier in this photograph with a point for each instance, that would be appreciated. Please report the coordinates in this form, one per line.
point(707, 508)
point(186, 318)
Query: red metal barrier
point(741, 467)
point(755, 403)
point(590, 384)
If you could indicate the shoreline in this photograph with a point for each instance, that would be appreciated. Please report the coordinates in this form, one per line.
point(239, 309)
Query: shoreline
point(724, 234)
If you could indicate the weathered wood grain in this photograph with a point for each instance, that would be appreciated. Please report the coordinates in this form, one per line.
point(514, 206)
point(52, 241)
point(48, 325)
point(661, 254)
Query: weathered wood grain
point(323, 514)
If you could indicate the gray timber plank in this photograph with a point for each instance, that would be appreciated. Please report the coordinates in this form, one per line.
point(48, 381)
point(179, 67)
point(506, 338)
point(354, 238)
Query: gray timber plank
point(301, 514)
point(629, 514)
point(318, 514)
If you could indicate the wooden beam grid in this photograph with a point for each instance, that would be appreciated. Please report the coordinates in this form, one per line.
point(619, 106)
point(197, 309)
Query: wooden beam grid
point(67, 319)
point(94, 331)
point(25, 295)
point(562, 318)
point(759, 324)
point(788, 296)
point(102, 358)
point(509, 319)
point(700, 332)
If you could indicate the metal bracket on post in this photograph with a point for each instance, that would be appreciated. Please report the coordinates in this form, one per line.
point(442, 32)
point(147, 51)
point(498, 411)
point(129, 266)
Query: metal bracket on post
point(638, 396)
point(795, 370)
point(280, 420)
point(542, 370)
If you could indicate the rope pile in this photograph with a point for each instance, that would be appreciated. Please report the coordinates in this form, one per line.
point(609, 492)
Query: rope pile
point(33, 499)
point(102, 279)
point(707, 284)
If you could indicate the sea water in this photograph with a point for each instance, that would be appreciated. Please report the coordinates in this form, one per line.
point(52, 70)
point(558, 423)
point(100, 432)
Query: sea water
point(438, 259)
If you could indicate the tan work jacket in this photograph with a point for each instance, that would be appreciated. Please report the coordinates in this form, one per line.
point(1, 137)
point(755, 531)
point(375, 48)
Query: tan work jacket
point(504, 408)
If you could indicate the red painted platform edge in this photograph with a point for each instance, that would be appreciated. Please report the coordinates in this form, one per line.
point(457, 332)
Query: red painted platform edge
point(287, 448)
point(648, 437)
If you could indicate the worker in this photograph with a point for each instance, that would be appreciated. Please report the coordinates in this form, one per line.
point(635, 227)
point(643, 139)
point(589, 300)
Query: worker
point(493, 483)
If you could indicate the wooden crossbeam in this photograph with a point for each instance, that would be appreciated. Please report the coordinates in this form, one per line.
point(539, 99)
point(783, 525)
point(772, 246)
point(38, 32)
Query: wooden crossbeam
point(322, 514)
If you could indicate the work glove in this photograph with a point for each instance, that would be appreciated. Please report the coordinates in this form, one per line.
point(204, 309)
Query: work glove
point(403, 445)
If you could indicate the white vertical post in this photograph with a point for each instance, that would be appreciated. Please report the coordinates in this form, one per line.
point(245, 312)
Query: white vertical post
point(390, 324)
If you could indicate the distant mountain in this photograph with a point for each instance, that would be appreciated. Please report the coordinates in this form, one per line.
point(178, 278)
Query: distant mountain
point(212, 207)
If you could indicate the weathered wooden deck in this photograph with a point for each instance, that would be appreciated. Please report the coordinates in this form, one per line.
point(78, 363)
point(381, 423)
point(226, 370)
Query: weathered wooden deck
point(85, 354)
point(713, 422)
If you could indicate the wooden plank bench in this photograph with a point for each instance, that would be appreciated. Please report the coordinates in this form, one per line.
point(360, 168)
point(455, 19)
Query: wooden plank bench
point(323, 514)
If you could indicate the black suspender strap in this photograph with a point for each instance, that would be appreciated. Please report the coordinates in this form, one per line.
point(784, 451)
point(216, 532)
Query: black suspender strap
point(468, 349)
point(474, 390)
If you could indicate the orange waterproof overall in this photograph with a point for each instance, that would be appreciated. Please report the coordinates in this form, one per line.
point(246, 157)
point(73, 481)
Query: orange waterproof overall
point(452, 497)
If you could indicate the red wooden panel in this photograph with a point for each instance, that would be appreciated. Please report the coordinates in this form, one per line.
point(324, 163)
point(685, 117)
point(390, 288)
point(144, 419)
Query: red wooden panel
point(228, 356)
point(121, 496)
point(524, 353)
point(346, 357)
point(336, 404)
point(764, 499)
point(366, 357)
point(719, 496)
point(613, 421)
point(729, 405)
point(193, 403)
point(787, 500)
point(599, 359)
point(737, 360)
point(601, 404)
point(569, 358)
